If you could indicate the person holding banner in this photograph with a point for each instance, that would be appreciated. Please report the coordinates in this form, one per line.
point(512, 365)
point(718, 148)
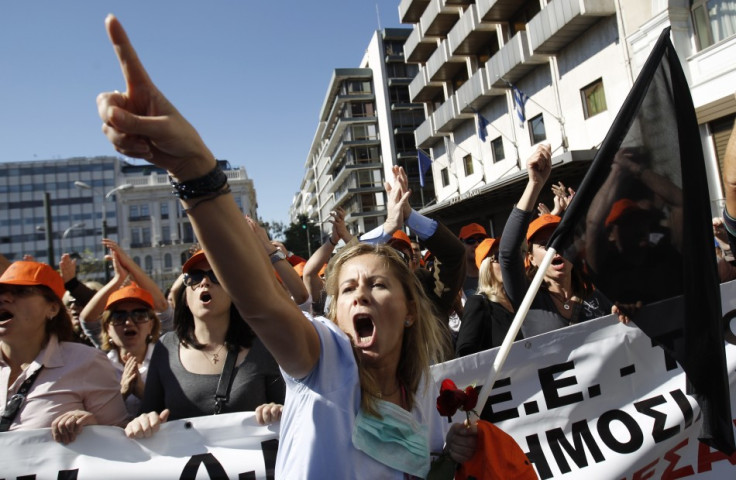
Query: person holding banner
point(353, 379)
point(565, 297)
point(210, 346)
point(46, 379)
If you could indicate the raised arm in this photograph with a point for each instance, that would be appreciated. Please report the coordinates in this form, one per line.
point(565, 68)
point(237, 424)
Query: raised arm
point(142, 123)
point(310, 275)
point(138, 275)
point(93, 309)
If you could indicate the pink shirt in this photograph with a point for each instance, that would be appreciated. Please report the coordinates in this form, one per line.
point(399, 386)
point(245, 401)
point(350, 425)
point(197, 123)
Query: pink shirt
point(74, 377)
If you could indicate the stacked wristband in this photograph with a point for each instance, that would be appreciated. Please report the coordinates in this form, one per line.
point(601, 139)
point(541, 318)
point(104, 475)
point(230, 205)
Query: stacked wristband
point(202, 186)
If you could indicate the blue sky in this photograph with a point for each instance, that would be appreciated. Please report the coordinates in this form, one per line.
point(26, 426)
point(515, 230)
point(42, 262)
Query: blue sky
point(251, 76)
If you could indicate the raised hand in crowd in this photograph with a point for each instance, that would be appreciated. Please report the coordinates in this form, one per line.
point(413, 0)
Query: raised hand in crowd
point(311, 274)
point(67, 267)
point(131, 381)
point(287, 274)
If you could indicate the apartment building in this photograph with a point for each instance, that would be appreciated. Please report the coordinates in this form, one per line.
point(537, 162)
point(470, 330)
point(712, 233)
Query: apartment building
point(575, 60)
point(366, 125)
point(79, 200)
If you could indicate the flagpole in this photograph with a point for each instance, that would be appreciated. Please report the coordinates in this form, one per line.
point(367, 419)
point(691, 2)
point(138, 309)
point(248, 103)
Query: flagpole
point(505, 348)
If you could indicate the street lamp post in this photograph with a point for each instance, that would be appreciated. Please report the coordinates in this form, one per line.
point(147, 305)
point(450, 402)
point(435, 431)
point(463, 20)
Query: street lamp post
point(105, 196)
point(67, 231)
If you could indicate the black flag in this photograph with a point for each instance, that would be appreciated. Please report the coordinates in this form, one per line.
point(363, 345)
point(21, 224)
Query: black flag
point(640, 227)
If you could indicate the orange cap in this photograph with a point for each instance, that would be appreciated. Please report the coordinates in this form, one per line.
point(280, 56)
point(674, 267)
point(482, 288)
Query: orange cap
point(402, 237)
point(193, 260)
point(129, 292)
point(471, 230)
point(621, 208)
point(33, 273)
point(543, 221)
point(483, 250)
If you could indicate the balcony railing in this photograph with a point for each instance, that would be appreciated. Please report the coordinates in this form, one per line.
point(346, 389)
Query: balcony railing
point(512, 62)
point(421, 90)
point(442, 66)
point(470, 34)
point(410, 11)
point(562, 21)
point(424, 134)
point(438, 18)
point(447, 117)
point(496, 10)
point(418, 47)
point(476, 92)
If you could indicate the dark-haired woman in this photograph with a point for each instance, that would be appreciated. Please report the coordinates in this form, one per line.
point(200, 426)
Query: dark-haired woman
point(187, 364)
point(565, 297)
point(46, 379)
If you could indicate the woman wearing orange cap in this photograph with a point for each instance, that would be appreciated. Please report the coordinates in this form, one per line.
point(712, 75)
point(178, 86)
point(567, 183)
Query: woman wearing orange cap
point(210, 346)
point(565, 298)
point(488, 313)
point(46, 380)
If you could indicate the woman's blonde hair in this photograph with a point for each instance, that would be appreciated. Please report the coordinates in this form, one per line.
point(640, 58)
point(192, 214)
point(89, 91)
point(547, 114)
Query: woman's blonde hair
point(107, 343)
point(423, 341)
point(488, 284)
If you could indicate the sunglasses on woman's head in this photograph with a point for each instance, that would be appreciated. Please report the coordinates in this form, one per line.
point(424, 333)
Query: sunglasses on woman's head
point(139, 315)
point(195, 277)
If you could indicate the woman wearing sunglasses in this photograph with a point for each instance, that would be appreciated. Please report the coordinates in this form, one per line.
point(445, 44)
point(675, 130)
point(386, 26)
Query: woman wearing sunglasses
point(190, 364)
point(46, 379)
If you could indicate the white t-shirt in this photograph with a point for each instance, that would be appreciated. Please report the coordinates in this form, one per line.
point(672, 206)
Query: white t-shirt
point(319, 415)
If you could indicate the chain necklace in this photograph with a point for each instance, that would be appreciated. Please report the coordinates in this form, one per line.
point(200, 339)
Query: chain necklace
point(215, 356)
point(560, 298)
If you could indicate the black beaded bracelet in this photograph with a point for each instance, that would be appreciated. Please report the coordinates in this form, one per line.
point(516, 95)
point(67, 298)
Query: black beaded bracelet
point(200, 187)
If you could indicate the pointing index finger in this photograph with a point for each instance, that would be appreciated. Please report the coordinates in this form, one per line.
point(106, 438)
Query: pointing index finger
point(133, 71)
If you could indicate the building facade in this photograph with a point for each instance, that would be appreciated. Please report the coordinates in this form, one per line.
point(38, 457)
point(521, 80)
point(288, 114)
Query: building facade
point(576, 61)
point(366, 125)
point(102, 196)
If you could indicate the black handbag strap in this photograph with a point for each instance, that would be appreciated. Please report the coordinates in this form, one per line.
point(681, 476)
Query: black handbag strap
point(13, 406)
point(222, 395)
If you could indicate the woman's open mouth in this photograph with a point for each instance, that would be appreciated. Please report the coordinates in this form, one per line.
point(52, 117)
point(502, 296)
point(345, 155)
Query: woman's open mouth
point(5, 315)
point(205, 297)
point(364, 331)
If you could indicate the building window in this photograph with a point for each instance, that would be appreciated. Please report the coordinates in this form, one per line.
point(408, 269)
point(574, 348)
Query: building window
point(714, 20)
point(497, 148)
point(164, 208)
point(148, 264)
point(145, 212)
point(168, 264)
point(594, 99)
point(468, 165)
point(445, 177)
point(135, 237)
point(537, 133)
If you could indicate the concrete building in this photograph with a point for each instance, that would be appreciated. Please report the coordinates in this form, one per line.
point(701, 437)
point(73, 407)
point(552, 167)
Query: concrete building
point(140, 213)
point(74, 214)
point(366, 125)
point(154, 229)
point(576, 60)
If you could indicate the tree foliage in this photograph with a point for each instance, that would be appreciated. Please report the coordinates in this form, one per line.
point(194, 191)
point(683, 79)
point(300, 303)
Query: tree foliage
point(295, 235)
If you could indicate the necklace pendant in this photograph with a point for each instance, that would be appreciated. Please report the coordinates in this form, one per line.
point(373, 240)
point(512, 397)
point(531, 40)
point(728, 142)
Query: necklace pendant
point(215, 358)
point(566, 306)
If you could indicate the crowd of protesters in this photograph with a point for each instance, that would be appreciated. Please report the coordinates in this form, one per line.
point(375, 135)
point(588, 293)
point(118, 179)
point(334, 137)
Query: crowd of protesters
point(335, 347)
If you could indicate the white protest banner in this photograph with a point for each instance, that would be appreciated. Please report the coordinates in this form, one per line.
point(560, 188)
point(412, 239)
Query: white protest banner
point(229, 446)
point(596, 400)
